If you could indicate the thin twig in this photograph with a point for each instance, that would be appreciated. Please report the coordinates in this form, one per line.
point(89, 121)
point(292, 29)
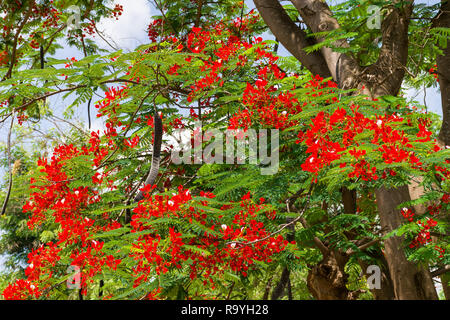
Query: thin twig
point(8, 148)
point(71, 124)
point(44, 96)
point(16, 39)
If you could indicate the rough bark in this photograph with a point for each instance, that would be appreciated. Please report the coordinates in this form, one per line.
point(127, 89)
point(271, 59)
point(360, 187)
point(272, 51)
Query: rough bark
point(282, 284)
point(416, 190)
point(410, 281)
point(327, 280)
point(386, 291)
point(318, 17)
point(349, 200)
point(443, 66)
point(390, 67)
point(291, 36)
point(445, 280)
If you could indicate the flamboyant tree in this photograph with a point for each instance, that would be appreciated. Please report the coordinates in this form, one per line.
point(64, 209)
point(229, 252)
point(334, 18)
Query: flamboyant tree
point(352, 153)
point(377, 70)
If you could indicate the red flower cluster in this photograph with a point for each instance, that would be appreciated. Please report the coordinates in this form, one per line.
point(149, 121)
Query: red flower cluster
point(108, 105)
point(440, 250)
point(244, 24)
point(91, 260)
point(70, 62)
point(3, 58)
point(437, 208)
point(49, 15)
point(117, 11)
point(423, 237)
point(174, 69)
point(236, 246)
point(21, 290)
point(67, 207)
point(197, 40)
point(41, 260)
point(154, 29)
point(55, 202)
point(408, 214)
point(329, 136)
point(433, 71)
point(323, 151)
point(132, 142)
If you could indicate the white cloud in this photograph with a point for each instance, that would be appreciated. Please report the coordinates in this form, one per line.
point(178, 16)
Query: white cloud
point(130, 30)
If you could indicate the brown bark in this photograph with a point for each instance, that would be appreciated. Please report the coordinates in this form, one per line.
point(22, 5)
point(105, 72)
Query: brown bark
point(443, 66)
point(416, 190)
point(391, 64)
point(318, 17)
point(386, 291)
point(349, 200)
point(291, 36)
point(282, 284)
point(445, 280)
point(327, 280)
point(410, 281)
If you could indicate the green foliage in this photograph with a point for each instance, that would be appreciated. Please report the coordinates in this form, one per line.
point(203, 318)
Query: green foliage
point(290, 192)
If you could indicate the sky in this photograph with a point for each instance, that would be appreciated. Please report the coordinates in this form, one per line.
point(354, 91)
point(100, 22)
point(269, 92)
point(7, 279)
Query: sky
point(130, 31)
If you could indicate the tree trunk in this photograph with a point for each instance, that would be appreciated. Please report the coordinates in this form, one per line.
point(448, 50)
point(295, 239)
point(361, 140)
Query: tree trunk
point(443, 66)
point(445, 279)
point(327, 280)
point(282, 284)
point(410, 281)
point(386, 290)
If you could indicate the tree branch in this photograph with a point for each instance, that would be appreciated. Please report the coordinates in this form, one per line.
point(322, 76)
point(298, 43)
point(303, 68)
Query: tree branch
point(440, 271)
point(443, 65)
point(8, 148)
point(394, 49)
point(44, 96)
point(291, 36)
point(318, 17)
point(16, 39)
